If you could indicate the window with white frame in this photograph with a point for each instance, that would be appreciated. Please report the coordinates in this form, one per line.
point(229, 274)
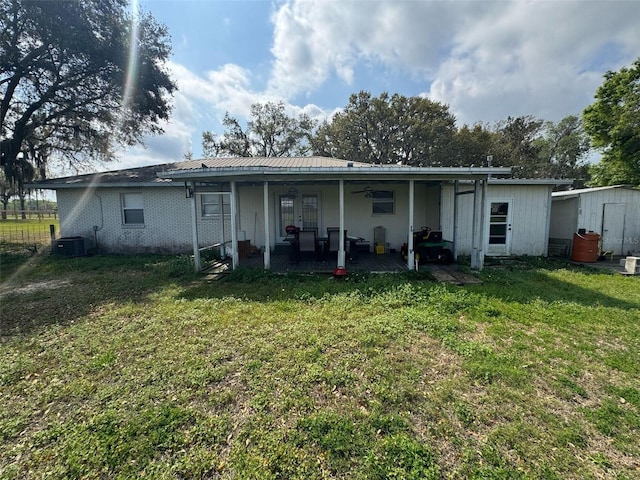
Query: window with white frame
point(132, 209)
point(382, 202)
point(213, 204)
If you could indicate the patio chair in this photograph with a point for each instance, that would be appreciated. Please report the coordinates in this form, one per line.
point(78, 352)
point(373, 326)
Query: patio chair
point(333, 243)
point(307, 243)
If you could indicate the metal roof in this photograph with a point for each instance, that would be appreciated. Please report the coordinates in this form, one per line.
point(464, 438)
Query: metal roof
point(260, 169)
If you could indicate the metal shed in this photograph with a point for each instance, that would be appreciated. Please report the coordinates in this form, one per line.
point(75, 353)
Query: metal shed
point(612, 212)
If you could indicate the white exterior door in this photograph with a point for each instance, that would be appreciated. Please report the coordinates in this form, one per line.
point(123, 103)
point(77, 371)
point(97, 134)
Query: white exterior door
point(499, 227)
point(300, 210)
point(613, 228)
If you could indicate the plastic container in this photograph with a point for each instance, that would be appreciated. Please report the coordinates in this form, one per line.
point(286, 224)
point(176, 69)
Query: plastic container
point(585, 247)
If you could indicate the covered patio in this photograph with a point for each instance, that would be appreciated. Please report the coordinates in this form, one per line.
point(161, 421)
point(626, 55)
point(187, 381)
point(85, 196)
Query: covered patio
point(369, 262)
point(256, 185)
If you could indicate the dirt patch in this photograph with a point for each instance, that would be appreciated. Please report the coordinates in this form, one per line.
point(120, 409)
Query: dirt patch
point(32, 287)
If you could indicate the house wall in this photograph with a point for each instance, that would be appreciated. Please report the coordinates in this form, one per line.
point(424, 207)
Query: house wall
point(167, 220)
point(168, 229)
point(529, 216)
point(588, 209)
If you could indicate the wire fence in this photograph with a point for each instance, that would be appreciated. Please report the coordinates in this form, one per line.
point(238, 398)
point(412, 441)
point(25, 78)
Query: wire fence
point(28, 232)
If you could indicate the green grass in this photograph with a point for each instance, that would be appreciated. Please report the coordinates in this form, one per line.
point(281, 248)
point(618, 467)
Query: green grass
point(124, 367)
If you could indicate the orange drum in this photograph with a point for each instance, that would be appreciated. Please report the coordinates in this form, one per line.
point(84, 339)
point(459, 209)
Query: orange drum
point(585, 247)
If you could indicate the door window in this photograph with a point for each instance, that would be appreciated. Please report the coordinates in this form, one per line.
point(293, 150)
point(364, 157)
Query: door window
point(287, 213)
point(310, 212)
point(498, 223)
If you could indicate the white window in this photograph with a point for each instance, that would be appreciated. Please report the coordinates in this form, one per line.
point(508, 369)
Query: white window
point(382, 202)
point(132, 209)
point(213, 202)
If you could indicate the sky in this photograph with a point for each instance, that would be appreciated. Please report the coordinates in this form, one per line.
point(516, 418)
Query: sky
point(487, 60)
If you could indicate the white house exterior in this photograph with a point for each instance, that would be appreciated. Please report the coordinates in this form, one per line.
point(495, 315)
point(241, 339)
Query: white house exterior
point(516, 216)
point(187, 206)
point(612, 212)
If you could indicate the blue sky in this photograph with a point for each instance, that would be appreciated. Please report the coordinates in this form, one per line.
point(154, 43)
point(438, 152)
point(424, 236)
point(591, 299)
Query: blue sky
point(485, 59)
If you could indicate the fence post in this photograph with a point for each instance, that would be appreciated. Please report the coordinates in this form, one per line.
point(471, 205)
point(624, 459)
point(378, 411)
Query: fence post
point(52, 233)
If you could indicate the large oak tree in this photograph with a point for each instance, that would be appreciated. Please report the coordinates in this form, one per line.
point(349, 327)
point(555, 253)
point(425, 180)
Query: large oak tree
point(78, 78)
point(388, 129)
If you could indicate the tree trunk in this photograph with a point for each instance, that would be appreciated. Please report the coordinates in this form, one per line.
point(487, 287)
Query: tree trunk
point(23, 210)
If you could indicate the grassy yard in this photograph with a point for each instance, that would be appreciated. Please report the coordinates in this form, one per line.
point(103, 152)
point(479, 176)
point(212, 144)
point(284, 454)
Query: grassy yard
point(124, 367)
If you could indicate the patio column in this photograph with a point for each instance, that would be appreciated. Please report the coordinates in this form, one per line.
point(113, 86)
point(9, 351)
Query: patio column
point(456, 190)
point(341, 254)
point(267, 244)
point(194, 226)
point(411, 264)
point(477, 252)
point(235, 259)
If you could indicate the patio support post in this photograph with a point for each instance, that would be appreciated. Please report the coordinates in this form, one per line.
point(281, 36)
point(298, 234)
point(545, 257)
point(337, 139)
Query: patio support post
point(235, 259)
point(267, 245)
point(477, 252)
point(410, 253)
point(341, 254)
point(456, 189)
point(194, 228)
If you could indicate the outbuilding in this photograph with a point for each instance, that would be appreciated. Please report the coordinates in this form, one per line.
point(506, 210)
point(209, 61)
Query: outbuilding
point(612, 212)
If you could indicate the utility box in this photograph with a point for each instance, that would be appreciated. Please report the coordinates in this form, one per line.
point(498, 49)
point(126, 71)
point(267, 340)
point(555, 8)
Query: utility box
point(632, 265)
point(69, 246)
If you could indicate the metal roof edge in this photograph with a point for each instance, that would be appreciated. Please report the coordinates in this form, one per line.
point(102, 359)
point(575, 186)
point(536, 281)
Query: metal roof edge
point(355, 170)
point(580, 191)
point(65, 186)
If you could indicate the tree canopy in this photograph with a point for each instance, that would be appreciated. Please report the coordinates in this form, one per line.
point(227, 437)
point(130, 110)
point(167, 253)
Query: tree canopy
point(415, 131)
point(613, 122)
point(388, 129)
point(270, 132)
point(77, 78)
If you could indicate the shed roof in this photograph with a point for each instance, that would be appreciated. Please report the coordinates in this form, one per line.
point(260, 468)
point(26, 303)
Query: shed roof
point(583, 191)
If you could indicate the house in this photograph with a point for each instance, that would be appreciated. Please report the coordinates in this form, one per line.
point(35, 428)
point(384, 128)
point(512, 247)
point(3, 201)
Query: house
point(613, 212)
point(232, 202)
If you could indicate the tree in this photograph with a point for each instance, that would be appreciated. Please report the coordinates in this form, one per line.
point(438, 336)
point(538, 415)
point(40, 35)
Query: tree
point(613, 123)
point(472, 145)
point(516, 146)
point(77, 78)
point(562, 149)
point(388, 129)
point(7, 190)
point(270, 132)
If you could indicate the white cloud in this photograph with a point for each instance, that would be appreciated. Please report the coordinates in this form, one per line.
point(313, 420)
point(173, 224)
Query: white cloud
point(486, 59)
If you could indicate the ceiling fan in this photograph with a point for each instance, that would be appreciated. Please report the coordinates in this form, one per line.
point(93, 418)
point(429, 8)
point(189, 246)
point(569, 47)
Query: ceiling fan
point(370, 192)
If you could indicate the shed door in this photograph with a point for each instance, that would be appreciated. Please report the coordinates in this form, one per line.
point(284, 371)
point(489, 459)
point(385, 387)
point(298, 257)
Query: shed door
point(499, 228)
point(613, 228)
